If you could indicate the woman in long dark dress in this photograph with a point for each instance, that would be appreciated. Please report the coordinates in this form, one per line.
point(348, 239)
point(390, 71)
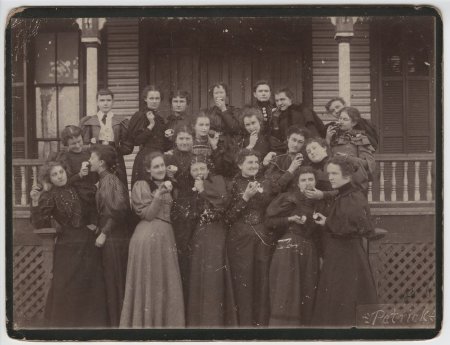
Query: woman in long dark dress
point(147, 129)
point(179, 101)
point(250, 243)
point(154, 295)
point(294, 270)
point(210, 302)
point(76, 298)
point(113, 207)
point(346, 279)
point(178, 165)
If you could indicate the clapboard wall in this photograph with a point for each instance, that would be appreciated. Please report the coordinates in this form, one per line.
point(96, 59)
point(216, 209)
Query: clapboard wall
point(326, 64)
point(122, 67)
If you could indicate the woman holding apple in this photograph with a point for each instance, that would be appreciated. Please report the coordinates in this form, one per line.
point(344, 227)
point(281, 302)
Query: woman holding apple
point(153, 294)
point(147, 130)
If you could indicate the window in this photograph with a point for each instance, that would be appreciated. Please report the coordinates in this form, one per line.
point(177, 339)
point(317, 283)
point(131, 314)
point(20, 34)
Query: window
point(406, 61)
point(56, 86)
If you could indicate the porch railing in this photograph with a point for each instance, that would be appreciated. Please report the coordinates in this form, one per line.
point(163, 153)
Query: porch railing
point(398, 179)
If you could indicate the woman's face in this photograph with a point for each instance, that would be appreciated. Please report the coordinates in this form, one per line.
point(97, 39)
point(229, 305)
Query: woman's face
point(58, 176)
point(219, 93)
point(335, 176)
point(262, 93)
point(184, 141)
point(282, 101)
point(335, 108)
point(157, 168)
point(95, 162)
point(250, 166)
point(201, 127)
point(153, 100)
point(306, 181)
point(252, 124)
point(345, 122)
point(295, 143)
point(179, 104)
point(316, 153)
point(75, 144)
point(199, 170)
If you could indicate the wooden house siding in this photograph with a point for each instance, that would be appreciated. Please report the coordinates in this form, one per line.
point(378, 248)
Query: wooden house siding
point(122, 45)
point(325, 66)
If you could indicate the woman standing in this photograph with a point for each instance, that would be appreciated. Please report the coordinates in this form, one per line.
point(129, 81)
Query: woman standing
point(153, 295)
point(225, 121)
point(179, 101)
point(346, 279)
point(294, 270)
point(147, 130)
point(77, 292)
point(249, 243)
point(210, 301)
point(354, 144)
point(113, 207)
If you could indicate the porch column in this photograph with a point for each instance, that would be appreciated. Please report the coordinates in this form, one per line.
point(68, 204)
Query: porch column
point(344, 33)
point(90, 36)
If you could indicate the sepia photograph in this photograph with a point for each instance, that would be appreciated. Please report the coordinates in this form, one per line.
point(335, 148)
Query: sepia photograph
point(224, 173)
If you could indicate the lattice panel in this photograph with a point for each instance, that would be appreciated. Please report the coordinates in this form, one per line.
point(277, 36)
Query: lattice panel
point(406, 273)
point(29, 288)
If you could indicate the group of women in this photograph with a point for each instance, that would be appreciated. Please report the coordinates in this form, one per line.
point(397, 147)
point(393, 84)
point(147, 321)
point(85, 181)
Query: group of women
point(237, 218)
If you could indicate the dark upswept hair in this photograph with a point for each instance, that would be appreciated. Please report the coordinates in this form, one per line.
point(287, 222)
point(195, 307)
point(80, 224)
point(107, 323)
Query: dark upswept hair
point(182, 129)
point(307, 170)
point(181, 94)
point(287, 91)
point(44, 170)
point(344, 163)
point(243, 153)
point(353, 114)
point(219, 84)
point(298, 130)
point(107, 154)
point(249, 111)
point(149, 157)
point(70, 132)
point(261, 82)
point(149, 88)
point(105, 92)
point(201, 113)
point(334, 99)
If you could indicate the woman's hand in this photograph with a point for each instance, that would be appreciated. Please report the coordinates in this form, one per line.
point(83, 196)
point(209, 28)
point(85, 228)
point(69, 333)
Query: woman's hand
point(296, 163)
point(100, 241)
point(319, 218)
point(252, 140)
point(297, 219)
point(331, 130)
point(151, 119)
point(163, 188)
point(251, 190)
point(84, 171)
point(199, 185)
point(35, 194)
point(214, 141)
point(270, 156)
point(314, 194)
point(220, 103)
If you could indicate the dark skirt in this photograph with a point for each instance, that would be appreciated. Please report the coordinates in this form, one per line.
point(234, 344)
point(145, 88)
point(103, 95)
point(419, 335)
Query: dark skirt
point(346, 281)
point(115, 256)
point(77, 295)
point(210, 302)
point(294, 274)
point(249, 250)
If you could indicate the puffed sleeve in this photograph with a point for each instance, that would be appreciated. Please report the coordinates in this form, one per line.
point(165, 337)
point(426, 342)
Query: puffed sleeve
point(113, 204)
point(144, 204)
point(41, 215)
point(126, 145)
point(278, 211)
point(215, 192)
point(350, 216)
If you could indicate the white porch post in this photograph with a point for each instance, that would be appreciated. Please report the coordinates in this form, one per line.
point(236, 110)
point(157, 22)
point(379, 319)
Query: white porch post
point(344, 33)
point(90, 36)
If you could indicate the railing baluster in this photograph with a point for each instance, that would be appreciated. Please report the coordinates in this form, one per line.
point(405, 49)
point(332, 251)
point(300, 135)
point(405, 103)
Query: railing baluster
point(382, 198)
point(405, 182)
point(369, 192)
point(23, 187)
point(34, 171)
point(429, 193)
point(394, 182)
point(416, 181)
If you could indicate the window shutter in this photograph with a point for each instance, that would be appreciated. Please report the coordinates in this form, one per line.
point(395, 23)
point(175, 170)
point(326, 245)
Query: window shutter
point(392, 112)
point(418, 116)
